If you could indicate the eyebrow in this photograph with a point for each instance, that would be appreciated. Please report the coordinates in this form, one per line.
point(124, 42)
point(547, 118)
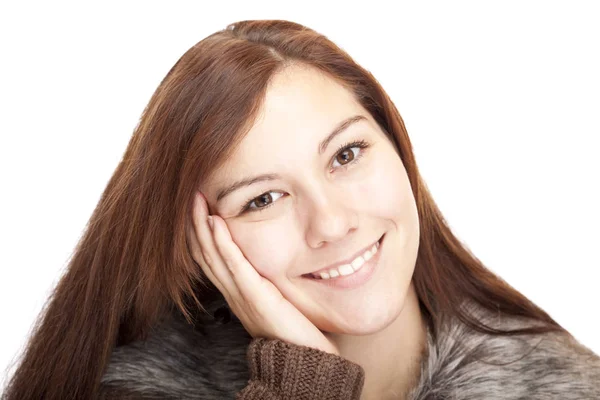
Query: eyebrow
point(341, 127)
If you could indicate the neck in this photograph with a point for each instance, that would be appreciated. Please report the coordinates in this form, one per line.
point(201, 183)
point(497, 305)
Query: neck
point(391, 357)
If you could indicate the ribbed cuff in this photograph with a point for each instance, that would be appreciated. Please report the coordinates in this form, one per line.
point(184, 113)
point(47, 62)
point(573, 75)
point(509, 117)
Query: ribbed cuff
point(281, 370)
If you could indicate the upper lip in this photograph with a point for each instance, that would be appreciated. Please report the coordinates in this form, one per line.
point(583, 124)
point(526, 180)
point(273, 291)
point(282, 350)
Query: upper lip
point(347, 261)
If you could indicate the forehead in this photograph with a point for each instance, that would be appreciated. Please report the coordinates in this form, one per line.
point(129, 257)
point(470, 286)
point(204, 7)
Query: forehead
point(301, 107)
point(301, 102)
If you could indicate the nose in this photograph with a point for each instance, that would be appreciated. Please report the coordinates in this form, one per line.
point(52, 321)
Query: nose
point(330, 218)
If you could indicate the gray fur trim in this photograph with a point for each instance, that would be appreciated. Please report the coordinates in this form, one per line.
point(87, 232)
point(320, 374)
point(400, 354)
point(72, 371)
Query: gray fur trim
point(468, 365)
point(181, 361)
point(208, 361)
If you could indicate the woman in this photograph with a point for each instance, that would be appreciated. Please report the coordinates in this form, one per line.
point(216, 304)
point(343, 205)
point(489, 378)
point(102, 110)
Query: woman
point(271, 176)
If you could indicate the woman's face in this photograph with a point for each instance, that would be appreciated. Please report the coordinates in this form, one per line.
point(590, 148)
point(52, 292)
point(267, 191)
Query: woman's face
point(321, 209)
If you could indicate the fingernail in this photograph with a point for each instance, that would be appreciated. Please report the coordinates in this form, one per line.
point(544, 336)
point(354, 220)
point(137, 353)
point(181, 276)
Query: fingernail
point(210, 221)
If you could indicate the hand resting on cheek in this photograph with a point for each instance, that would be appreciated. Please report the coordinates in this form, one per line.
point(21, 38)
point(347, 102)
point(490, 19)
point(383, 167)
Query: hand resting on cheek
point(257, 303)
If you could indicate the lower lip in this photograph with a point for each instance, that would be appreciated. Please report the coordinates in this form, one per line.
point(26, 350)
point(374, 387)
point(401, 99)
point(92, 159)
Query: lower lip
point(359, 278)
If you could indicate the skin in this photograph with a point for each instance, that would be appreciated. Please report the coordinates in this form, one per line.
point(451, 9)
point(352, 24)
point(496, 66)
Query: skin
point(324, 208)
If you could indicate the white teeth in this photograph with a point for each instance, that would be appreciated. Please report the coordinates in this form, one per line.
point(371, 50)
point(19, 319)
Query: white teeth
point(349, 269)
point(358, 262)
point(346, 270)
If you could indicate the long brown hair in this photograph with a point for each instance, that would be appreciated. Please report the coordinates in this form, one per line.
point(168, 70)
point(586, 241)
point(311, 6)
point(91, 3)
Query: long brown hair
point(132, 265)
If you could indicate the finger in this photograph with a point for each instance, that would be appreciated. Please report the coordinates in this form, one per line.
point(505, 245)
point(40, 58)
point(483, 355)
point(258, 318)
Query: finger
point(194, 248)
point(209, 251)
point(251, 286)
point(229, 290)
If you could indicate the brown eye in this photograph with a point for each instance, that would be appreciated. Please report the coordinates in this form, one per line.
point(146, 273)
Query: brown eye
point(263, 200)
point(345, 156)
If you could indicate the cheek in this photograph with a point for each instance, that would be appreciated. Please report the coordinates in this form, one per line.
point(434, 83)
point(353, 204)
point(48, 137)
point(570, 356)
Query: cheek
point(266, 246)
point(385, 189)
point(398, 191)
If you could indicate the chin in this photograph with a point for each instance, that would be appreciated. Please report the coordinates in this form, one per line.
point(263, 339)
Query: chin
point(365, 321)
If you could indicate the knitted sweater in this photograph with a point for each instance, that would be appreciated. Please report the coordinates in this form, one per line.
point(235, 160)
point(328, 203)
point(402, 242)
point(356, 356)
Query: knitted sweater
point(219, 360)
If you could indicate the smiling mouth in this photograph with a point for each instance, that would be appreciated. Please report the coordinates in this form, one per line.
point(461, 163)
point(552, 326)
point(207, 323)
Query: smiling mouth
point(350, 268)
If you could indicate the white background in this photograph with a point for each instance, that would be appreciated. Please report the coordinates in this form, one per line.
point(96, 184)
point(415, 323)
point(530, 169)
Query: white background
point(501, 102)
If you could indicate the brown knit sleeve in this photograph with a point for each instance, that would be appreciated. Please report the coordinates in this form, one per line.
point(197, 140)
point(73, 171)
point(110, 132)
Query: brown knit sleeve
point(281, 370)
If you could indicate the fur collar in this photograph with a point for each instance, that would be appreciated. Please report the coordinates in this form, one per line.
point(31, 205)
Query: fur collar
point(208, 361)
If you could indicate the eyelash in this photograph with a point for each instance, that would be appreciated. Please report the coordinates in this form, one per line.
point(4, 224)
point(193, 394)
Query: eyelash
point(362, 144)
